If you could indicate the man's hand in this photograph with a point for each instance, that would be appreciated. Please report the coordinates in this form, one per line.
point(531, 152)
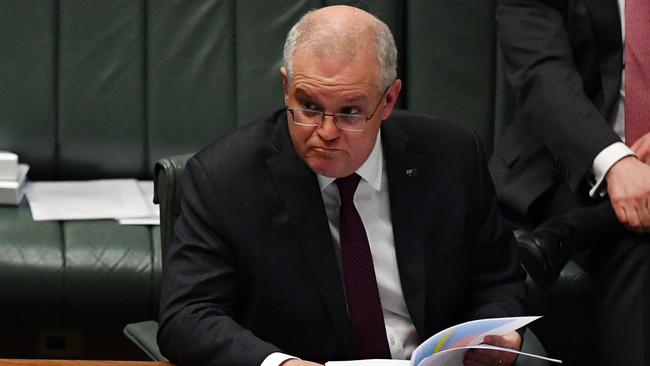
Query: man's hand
point(486, 357)
point(628, 186)
point(296, 362)
point(642, 148)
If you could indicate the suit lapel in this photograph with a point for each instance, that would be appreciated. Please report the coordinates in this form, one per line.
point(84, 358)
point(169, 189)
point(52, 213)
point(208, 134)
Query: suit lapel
point(298, 187)
point(407, 193)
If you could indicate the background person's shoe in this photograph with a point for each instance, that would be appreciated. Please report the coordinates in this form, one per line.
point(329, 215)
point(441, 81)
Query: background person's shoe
point(545, 250)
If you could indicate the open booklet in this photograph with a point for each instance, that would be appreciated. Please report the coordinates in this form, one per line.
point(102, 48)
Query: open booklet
point(448, 347)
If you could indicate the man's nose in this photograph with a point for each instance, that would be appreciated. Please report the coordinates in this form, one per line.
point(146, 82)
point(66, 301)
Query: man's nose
point(328, 130)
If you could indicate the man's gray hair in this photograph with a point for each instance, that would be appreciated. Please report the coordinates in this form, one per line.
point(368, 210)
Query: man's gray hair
point(322, 41)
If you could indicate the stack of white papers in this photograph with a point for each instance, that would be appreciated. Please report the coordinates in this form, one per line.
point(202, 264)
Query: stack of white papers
point(12, 179)
point(146, 187)
point(90, 200)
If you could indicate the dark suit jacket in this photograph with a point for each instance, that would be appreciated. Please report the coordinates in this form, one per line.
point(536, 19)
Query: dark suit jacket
point(252, 267)
point(563, 61)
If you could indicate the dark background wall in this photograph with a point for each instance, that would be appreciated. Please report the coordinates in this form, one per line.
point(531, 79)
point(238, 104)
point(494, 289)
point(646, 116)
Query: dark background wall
point(104, 88)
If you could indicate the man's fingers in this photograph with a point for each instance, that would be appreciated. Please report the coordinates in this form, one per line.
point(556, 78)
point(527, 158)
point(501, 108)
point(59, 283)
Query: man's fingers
point(485, 357)
point(627, 216)
point(470, 362)
point(620, 215)
point(639, 146)
point(628, 186)
point(645, 215)
point(634, 218)
point(481, 357)
point(642, 148)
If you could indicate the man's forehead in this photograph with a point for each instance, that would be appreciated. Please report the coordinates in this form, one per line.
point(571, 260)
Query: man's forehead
point(358, 68)
point(349, 95)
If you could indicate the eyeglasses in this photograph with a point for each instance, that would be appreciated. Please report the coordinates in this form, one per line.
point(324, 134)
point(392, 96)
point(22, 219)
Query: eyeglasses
point(343, 121)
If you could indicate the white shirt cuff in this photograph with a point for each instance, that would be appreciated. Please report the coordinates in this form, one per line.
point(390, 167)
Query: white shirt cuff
point(276, 358)
point(603, 162)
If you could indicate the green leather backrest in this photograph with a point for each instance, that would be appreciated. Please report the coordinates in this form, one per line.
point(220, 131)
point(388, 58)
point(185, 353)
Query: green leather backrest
point(105, 88)
point(27, 82)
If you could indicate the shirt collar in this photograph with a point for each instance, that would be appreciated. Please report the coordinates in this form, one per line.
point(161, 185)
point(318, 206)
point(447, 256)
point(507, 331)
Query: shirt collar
point(370, 170)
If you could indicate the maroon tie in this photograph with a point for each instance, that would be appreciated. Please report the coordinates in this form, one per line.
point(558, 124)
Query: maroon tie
point(364, 305)
point(637, 69)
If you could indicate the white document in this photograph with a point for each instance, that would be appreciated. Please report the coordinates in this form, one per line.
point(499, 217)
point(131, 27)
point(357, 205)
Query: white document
point(146, 186)
point(12, 191)
point(86, 200)
point(375, 362)
point(454, 356)
point(140, 221)
point(448, 347)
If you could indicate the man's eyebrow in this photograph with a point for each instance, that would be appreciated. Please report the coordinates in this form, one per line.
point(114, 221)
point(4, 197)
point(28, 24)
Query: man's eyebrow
point(302, 94)
point(357, 98)
point(351, 99)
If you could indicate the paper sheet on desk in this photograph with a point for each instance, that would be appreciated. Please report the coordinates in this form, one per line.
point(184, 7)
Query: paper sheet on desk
point(85, 200)
point(146, 186)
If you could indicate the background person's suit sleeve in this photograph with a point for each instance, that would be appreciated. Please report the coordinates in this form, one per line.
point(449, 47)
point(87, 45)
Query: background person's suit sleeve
point(198, 299)
point(548, 89)
point(497, 286)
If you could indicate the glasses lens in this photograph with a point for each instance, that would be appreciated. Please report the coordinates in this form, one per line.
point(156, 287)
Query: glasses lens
point(351, 122)
point(307, 117)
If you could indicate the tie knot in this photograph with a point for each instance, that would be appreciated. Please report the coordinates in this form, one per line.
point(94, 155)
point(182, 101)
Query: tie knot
point(347, 187)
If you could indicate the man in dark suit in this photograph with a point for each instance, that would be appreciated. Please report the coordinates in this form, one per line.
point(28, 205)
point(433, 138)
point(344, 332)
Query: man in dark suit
point(263, 270)
point(564, 165)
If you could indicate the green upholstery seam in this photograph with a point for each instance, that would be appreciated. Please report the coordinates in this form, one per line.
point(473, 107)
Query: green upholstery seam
point(64, 274)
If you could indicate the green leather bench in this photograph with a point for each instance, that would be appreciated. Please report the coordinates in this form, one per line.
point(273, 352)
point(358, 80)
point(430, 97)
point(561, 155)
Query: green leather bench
point(104, 89)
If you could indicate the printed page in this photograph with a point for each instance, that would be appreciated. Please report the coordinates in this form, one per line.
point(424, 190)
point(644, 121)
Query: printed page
point(468, 334)
point(454, 356)
point(147, 188)
point(369, 363)
point(448, 347)
point(84, 200)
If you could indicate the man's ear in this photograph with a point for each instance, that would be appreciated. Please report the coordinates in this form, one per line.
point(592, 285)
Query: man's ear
point(283, 77)
point(391, 98)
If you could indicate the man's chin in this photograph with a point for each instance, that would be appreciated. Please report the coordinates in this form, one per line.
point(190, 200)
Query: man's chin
point(327, 169)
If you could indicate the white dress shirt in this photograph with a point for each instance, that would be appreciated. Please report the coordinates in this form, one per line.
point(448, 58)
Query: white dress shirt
point(618, 150)
point(373, 205)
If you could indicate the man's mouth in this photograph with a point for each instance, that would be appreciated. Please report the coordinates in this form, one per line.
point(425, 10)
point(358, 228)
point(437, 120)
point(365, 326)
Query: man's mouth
point(324, 149)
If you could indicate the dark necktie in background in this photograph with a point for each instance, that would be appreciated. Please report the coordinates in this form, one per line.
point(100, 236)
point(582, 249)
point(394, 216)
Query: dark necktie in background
point(637, 69)
point(364, 305)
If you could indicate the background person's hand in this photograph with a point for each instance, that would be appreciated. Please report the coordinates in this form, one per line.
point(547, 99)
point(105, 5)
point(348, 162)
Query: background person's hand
point(642, 148)
point(628, 186)
point(485, 357)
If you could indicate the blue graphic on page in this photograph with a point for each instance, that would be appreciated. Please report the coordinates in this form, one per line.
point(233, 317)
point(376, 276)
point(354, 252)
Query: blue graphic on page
point(454, 337)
